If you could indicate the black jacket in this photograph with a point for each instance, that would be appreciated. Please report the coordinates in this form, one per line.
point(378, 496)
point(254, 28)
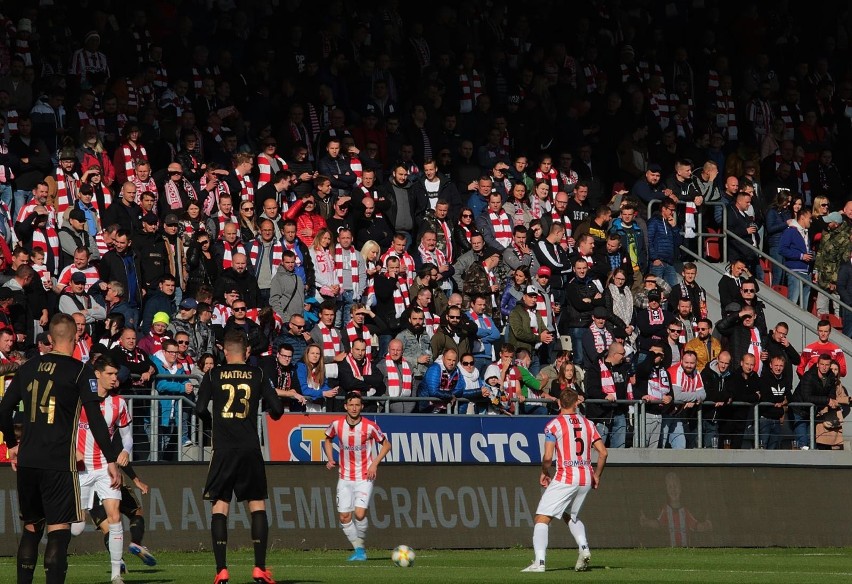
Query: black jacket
point(775, 390)
point(815, 390)
point(446, 190)
point(258, 343)
point(580, 301)
point(153, 254)
point(594, 390)
point(244, 282)
point(127, 217)
point(738, 336)
point(112, 267)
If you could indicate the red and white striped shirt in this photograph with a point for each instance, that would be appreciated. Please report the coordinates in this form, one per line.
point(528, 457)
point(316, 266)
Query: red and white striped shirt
point(574, 436)
point(356, 446)
point(91, 273)
point(116, 416)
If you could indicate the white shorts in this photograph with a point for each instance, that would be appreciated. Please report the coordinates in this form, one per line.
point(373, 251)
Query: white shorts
point(352, 494)
point(96, 481)
point(559, 498)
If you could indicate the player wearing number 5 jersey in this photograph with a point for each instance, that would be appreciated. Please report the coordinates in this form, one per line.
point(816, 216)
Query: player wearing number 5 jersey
point(237, 466)
point(356, 437)
point(571, 437)
point(52, 387)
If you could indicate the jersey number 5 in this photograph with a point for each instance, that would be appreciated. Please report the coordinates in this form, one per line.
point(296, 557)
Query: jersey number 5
point(580, 447)
point(45, 405)
point(227, 412)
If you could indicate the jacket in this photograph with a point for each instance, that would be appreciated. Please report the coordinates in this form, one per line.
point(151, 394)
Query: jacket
point(168, 408)
point(447, 191)
point(521, 333)
point(155, 302)
point(738, 336)
point(431, 386)
point(581, 302)
point(594, 390)
point(387, 205)
point(485, 336)
point(700, 348)
point(244, 281)
point(663, 241)
point(631, 236)
point(444, 339)
point(115, 267)
point(792, 248)
point(413, 346)
point(776, 223)
point(258, 343)
point(287, 294)
point(716, 391)
point(815, 390)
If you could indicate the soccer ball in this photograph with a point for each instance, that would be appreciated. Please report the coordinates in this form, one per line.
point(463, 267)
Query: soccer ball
point(403, 556)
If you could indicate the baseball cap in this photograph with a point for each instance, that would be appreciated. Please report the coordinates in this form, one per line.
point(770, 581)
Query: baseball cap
point(189, 304)
point(833, 217)
point(78, 278)
point(654, 167)
point(544, 271)
point(171, 219)
point(531, 291)
point(600, 312)
point(77, 214)
point(161, 317)
point(150, 218)
point(654, 295)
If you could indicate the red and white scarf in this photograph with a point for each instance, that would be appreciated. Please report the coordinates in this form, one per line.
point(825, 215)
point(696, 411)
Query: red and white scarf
point(541, 304)
point(726, 114)
point(660, 106)
point(431, 322)
point(276, 254)
point(686, 383)
point(149, 186)
point(246, 187)
point(502, 226)
point(658, 384)
point(294, 247)
point(352, 334)
point(689, 224)
point(107, 197)
point(357, 371)
point(436, 256)
point(467, 231)
point(565, 220)
point(357, 169)
point(330, 341)
point(755, 347)
point(66, 190)
point(511, 381)
point(173, 195)
point(607, 382)
point(228, 255)
point(552, 176)
point(406, 260)
point(538, 208)
point(601, 337)
point(47, 239)
point(353, 268)
point(265, 169)
point(224, 220)
point(533, 314)
point(471, 89)
point(656, 317)
point(448, 238)
point(399, 385)
point(401, 298)
point(131, 154)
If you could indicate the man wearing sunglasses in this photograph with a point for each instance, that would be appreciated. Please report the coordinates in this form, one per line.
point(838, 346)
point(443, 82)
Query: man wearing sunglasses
point(744, 336)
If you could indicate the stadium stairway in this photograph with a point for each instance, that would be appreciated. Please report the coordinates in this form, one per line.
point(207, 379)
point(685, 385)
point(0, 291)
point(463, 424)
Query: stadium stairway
point(803, 325)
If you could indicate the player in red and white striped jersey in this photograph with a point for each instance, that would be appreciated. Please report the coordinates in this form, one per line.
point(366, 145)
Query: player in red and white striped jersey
point(356, 437)
point(93, 476)
point(572, 437)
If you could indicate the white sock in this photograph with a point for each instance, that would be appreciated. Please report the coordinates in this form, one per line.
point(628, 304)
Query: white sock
point(361, 527)
point(78, 528)
point(540, 535)
point(116, 547)
point(578, 530)
point(351, 533)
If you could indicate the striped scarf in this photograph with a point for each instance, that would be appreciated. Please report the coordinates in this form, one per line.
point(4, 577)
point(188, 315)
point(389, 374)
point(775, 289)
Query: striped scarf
point(224, 220)
point(686, 383)
point(161, 78)
point(132, 153)
point(541, 304)
point(660, 107)
point(103, 197)
point(357, 169)
point(658, 384)
point(648, 69)
point(607, 382)
point(330, 341)
point(471, 89)
point(436, 257)
point(149, 186)
point(533, 314)
point(276, 256)
point(401, 298)
point(431, 322)
point(86, 119)
point(198, 75)
point(173, 195)
point(555, 217)
point(683, 127)
point(691, 323)
point(712, 81)
point(47, 239)
point(399, 378)
point(511, 381)
point(267, 167)
point(353, 268)
point(792, 117)
point(467, 230)
point(246, 187)
point(552, 176)
point(66, 190)
point(132, 96)
point(22, 50)
point(502, 226)
point(448, 238)
point(689, 224)
point(142, 43)
point(12, 121)
point(44, 275)
point(602, 338)
point(294, 247)
point(230, 250)
point(357, 371)
point(406, 260)
point(755, 347)
point(726, 114)
point(678, 98)
point(213, 199)
point(352, 334)
point(103, 248)
point(590, 76)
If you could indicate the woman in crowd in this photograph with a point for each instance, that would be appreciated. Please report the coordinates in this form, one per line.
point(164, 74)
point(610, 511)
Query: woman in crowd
point(322, 255)
point(778, 218)
point(312, 380)
point(514, 291)
point(193, 221)
point(202, 265)
point(517, 207)
point(248, 225)
point(370, 252)
point(829, 428)
point(464, 230)
point(567, 379)
point(619, 300)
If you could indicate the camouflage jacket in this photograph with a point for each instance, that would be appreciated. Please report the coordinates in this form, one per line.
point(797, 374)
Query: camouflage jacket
point(834, 249)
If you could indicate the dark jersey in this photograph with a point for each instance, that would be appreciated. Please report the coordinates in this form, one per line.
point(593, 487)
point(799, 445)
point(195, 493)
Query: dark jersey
point(235, 392)
point(52, 388)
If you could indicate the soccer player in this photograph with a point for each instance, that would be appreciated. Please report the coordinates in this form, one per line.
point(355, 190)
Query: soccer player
point(52, 386)
point(237, 466)
point(93, 474)
point(572, 437)
point(356, 436)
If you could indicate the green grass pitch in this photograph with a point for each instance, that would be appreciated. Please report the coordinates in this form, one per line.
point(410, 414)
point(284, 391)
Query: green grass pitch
point(740, 566)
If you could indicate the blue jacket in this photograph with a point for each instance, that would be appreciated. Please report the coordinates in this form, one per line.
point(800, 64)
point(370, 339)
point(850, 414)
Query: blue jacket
point(776, 223)
point(476, 203)
point(168, 408)
point(663, 241)
point(156, 302)
point(634, 232)
point(431, 385)
point(485, 336)
point(315, 395)
point(793, 247)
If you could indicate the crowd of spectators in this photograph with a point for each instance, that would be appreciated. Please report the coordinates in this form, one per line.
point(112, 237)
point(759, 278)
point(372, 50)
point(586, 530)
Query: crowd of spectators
point(447, 202)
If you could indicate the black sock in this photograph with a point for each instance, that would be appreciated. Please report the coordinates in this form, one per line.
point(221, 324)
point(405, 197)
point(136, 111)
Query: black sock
point(259, 536)
point(137, 529)
point(56, 556)
point(28, 555)
point(219, 531)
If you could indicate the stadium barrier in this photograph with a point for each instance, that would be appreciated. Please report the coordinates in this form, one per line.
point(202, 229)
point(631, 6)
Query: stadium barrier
point(492, 506)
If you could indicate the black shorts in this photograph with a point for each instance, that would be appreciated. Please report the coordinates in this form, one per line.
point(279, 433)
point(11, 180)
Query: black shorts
point(49, 495)
point(128, 506)
point(236, 472)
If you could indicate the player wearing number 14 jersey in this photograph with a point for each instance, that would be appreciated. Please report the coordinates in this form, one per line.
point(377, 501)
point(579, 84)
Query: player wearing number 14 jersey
point(571, 437)
point(237, 466)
